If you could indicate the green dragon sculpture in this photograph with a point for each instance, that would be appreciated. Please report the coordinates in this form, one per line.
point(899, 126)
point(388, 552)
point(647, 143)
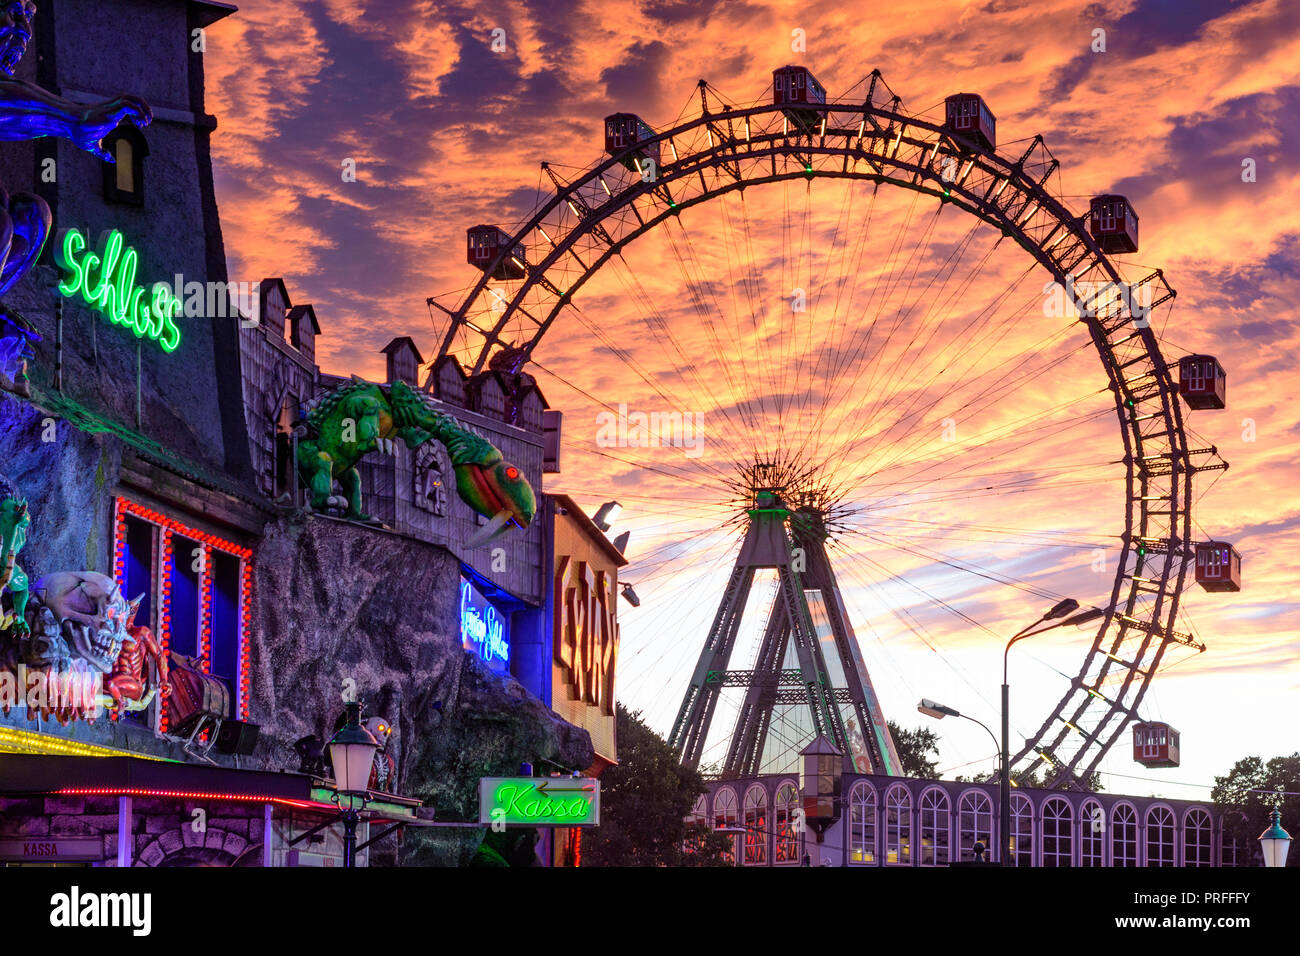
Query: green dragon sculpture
point(15, 519)
point(360, 417)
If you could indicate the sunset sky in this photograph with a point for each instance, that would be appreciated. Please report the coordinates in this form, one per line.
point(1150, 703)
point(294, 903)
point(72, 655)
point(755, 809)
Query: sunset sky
point(446, 133)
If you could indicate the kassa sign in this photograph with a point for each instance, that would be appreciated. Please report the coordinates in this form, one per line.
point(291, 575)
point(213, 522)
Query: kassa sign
point(539, 801)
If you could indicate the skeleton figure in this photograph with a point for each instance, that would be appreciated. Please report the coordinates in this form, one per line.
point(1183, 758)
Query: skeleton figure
point(383, 772)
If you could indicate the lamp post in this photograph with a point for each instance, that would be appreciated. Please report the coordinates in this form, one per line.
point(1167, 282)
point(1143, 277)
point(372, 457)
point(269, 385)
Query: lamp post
point(1275, 842)
point(352, 751)
point(938, 711)
point(822, 776)
point(1058, 611)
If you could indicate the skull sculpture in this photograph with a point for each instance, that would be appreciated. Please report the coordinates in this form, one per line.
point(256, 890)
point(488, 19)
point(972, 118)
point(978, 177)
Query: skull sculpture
point(92, 612)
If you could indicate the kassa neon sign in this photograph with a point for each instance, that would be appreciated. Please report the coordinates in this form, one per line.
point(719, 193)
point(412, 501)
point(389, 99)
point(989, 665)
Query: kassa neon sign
point(106, 281)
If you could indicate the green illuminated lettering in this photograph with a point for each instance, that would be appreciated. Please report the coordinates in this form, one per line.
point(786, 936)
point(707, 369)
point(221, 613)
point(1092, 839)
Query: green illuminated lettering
point(115, 294)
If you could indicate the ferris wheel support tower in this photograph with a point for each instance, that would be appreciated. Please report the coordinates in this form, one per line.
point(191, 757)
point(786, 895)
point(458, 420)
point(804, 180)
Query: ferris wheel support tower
point(791, 542)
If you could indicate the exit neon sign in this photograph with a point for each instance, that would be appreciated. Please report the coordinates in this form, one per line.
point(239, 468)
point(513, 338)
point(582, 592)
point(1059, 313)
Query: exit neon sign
point(106, 281)
point(539, 801)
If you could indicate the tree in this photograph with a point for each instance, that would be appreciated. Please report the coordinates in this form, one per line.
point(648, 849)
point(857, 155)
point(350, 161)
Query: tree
point(914, 748)
point(643, 806)
point(1247, 794)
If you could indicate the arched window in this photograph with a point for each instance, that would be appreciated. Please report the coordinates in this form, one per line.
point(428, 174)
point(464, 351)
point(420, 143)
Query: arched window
point(755, 826)
point(1022, 831)
point(862, 823)
point(1198, 846)
point(1058, 836)
point(975, 824)
point(898, 825)
point(1092, 834)
point(1160, 837)
point(124, 177)
point(700, 812)
point(724, 814)
point(787, 828)
point(935, 828)
point(1123, 836)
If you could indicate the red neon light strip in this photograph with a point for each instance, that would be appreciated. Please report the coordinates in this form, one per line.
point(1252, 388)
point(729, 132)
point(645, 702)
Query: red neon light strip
point(189, 795)
point(123, 507)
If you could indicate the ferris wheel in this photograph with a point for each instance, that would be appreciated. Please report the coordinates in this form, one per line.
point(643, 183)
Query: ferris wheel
point(897, 323)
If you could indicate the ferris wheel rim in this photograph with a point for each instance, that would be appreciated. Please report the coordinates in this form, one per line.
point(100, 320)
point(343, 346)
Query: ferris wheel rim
point(897, 132)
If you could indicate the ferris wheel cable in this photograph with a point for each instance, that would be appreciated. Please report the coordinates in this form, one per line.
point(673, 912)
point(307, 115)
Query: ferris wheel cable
point(814, 436)
point(659, 323)
point(585, 448)
point(939, 535)
point(959, 565)
point(885, 397)
point(966, 449)
point(1037, 469)
point(627, 359)
point(859, 342)
point(901, 385)
point(754, 293)
point(638, 668)
point(588, 395)
point(912, 624)
point(728, 244)
point(854, 271)
point(981, 317)
point(962, 526)
point(705, 314)
point(998, 490)
point(1048, 430)
point(991, 397)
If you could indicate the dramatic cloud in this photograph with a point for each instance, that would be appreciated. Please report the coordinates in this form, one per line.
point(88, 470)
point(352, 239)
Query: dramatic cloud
point(970, 434)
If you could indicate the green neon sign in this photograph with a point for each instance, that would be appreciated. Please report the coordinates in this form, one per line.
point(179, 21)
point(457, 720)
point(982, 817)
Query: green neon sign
point(539, 801)
point(106, 281)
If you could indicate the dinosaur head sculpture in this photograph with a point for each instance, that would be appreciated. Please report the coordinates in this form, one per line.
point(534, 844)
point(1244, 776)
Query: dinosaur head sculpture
point(15, 33)
point(498, 491)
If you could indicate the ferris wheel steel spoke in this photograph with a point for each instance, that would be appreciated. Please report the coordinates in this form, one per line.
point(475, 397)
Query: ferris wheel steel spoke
point(902, 386)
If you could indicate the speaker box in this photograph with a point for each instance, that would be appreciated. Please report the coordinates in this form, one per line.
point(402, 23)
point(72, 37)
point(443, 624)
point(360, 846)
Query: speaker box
point(237, 737)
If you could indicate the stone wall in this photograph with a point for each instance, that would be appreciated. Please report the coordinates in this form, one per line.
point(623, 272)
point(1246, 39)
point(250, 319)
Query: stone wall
point(337, 601)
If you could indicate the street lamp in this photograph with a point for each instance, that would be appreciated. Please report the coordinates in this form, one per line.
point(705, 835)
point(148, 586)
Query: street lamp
point(1057, 613)
point(352, 751)
point(1275, 842)
point(938, 711)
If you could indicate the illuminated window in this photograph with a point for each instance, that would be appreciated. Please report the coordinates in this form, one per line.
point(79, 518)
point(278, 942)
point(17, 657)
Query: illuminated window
point(1022, 830)
point(1058, 837)
point(724, 813)
point(898, 825)
point(124, 177)
point(1160, 837)
point(1124, 836)
point(755, 826)
point(974, 823)
point(1197, 839)
point(787, 825)
point(862, 823)
point(1092, 834)
point(935, 827)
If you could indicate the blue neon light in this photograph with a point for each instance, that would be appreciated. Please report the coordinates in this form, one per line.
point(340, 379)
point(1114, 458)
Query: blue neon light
point(482, 631)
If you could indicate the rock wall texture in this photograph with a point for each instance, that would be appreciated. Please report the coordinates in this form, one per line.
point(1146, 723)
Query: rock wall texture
point(66, 475)
point(335, 601)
